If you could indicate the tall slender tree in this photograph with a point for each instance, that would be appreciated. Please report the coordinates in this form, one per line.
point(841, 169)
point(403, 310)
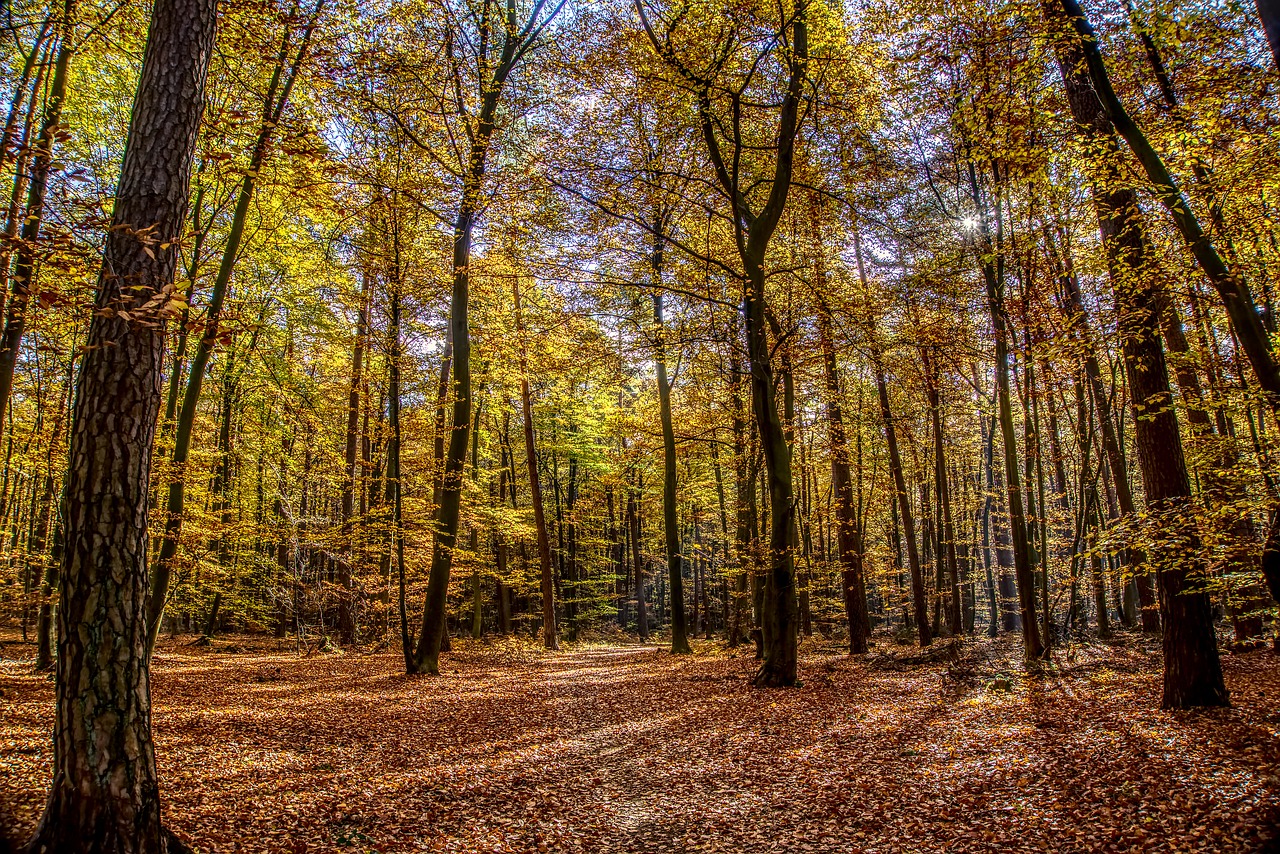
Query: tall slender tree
point(753, 230)
point(511, 41)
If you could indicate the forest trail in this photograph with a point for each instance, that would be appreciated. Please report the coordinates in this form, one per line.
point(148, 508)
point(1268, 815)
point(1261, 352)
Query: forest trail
point(625, 748)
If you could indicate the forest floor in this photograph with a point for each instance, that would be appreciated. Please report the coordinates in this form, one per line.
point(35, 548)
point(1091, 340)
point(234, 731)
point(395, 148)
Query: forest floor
point(606, 748)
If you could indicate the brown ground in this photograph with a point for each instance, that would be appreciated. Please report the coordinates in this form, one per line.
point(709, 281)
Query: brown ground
point(625, 748)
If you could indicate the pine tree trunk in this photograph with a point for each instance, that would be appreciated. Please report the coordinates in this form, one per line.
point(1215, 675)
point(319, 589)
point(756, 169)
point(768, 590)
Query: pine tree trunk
point(105, 794)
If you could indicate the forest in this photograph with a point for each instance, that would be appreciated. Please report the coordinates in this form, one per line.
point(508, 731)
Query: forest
point(639, 425)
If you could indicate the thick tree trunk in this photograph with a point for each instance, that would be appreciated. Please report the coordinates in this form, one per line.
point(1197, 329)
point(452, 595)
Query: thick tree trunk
point(449, 505)
point(1193, 674)
point(105, 795)
point(780, 608)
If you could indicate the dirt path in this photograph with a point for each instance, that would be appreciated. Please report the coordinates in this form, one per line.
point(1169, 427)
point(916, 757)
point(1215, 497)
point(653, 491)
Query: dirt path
point(606, 749)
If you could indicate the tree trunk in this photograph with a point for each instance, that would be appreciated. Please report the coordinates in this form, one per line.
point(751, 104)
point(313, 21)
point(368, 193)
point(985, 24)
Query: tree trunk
point(105, 795)
point(1116, 461)
point(903, 503)
point(848, 530)
point(633, 520)
point(993, 274)
point(350, 479)
point(947, 541)
point(16, 148)
point(753, 233)
point(679, 631)
point(744, 493)
point(449, 506)
point(988, 502)
point(394, 477)
point(779, 614)
point(1269, 16)
point(549, 635)
point(1193, 674)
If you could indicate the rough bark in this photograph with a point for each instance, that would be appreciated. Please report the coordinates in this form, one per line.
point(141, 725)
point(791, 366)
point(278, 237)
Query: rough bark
point(105, 794)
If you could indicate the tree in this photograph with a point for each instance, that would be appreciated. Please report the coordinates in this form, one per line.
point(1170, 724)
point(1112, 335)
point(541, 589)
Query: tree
point(283, 77)
point(516, 40)
point(1193, 675)
point(753, 230)
point(105, 795)
point(670, 529)
point(848, 525)
point(549, 634)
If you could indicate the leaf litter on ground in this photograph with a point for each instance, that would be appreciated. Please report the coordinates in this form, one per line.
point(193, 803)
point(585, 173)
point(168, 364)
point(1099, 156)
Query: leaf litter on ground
point(613, 747)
